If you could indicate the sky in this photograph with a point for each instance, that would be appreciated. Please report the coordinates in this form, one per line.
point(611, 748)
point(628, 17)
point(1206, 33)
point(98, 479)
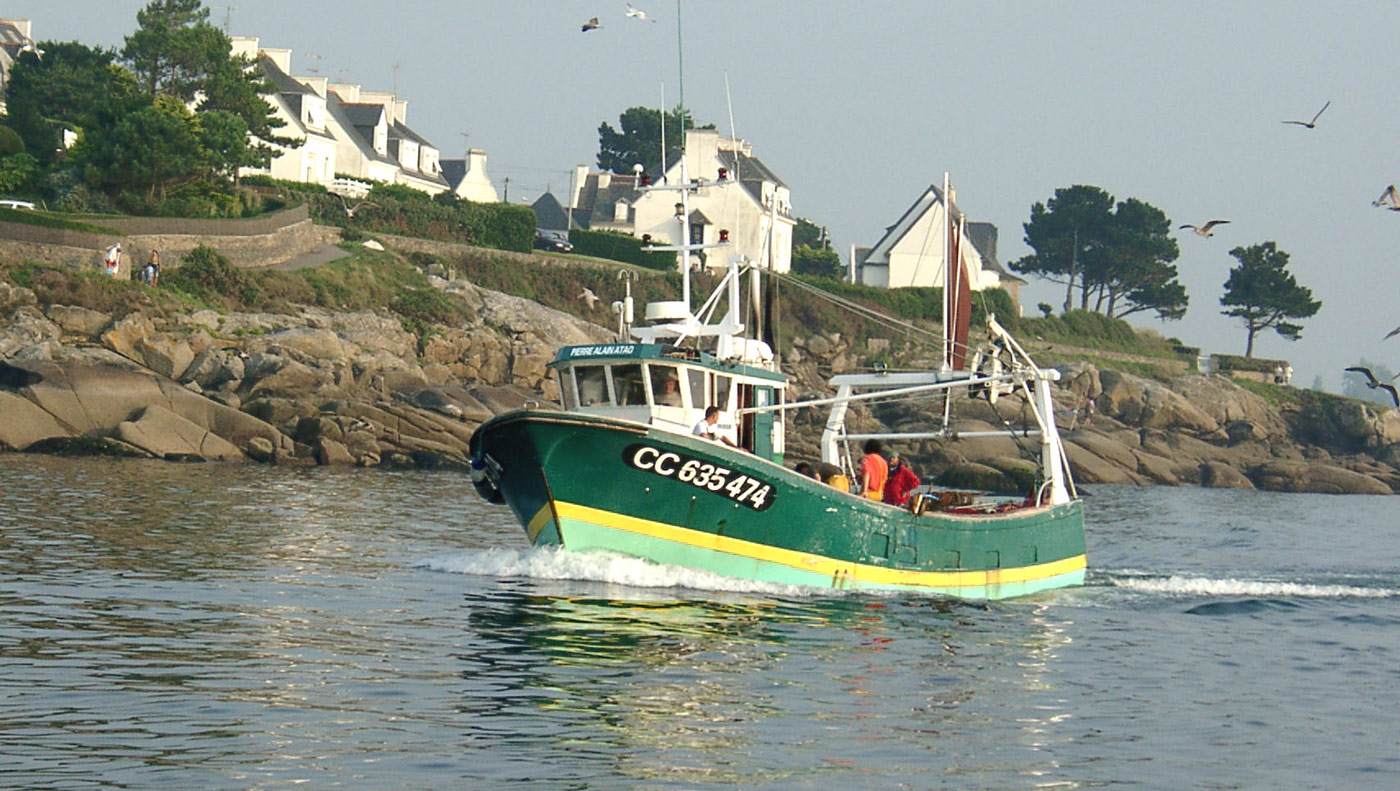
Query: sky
point(858, 107)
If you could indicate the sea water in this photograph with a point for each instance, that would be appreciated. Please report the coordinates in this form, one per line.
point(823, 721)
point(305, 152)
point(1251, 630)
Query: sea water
point(238, 627)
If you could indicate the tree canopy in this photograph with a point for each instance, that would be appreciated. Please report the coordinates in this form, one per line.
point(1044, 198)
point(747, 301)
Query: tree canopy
point(639, 141)
point(1119, 257)
point(1262, 293)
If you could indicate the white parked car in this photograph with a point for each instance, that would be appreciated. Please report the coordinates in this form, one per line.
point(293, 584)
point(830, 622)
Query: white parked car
point(11, 203)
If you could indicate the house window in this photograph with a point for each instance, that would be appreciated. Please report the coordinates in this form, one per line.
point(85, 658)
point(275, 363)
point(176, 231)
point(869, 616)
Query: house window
point(697, 233)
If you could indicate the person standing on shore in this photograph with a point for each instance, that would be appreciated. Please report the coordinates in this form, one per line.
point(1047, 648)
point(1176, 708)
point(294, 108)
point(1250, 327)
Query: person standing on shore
point(113, 259)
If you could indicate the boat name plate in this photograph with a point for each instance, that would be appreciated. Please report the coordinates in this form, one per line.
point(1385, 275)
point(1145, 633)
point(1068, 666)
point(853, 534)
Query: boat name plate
point(745, 490)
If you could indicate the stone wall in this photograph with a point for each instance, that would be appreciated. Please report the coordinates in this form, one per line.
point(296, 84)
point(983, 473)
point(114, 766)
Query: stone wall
point(255, 242)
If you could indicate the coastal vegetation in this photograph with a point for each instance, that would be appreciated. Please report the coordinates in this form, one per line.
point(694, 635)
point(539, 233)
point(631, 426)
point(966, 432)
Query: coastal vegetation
point(162, 126)
point(1263, 294)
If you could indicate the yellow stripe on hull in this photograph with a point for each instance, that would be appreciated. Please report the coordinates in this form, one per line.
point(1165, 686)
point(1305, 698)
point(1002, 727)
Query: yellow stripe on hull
point(817, 564)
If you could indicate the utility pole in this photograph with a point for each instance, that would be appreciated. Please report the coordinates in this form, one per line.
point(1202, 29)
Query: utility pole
point(505, 194)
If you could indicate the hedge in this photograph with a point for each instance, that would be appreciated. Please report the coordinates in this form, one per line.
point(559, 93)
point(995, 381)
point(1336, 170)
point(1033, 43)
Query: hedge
point(620, 247)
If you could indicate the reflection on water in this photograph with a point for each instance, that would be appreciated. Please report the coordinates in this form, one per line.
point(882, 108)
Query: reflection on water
point(221, 626)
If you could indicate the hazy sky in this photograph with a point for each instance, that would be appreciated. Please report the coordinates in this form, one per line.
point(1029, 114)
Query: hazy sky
point(860, 106)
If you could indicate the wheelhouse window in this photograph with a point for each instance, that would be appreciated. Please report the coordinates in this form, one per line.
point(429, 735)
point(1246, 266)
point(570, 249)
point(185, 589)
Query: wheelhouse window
point(592, 385)
point(629, 385)
point(722, 392)
point(665, 385)
point(695, 379)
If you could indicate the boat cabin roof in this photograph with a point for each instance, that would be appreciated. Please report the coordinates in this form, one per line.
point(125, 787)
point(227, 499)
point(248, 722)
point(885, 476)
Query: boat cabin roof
point(655, 352)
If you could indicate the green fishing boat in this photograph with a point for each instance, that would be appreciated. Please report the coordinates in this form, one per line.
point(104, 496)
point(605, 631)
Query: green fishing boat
point(631, 465)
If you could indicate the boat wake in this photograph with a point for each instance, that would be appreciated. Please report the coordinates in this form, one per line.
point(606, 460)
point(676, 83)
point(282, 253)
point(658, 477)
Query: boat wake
point(558, 564)
point(1180, 585)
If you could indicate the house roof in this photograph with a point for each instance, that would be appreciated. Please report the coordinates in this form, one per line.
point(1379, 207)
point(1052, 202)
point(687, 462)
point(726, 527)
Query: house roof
point(549, 213)
point(284, 82)
point(453, 171)
point(336, 109)
point(591, 196)
point(361, 114)
point(748, 170)
point(983, 235)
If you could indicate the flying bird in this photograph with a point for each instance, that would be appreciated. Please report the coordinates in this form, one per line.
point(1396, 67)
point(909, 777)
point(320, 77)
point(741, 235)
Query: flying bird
point(1395, 331)
point(350, 210)
point(589, 297)
point(1204, 230)
point(1388, 197)
point(591, 24)
point(1373, 383)
point(636, 13)
point(1313, 122)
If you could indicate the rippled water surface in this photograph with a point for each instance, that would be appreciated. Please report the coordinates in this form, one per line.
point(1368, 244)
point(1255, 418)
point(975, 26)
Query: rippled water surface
point(239, 627)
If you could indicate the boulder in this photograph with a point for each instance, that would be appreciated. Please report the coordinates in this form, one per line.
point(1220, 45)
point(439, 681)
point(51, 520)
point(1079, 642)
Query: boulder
point(78, 320)
point(26, 328)
point(25, 423)
point(1218, 475)
point(328, 452)
point(164, 434)
point(1088, 467)
point(1314, 476)
point(122, 337)
point(166, 356)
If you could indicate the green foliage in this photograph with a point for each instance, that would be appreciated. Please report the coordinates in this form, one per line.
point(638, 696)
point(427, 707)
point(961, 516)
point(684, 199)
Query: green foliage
point(639, 142)
point(48, 220)
point(63, 90)
point(405, 211)
point(209, 279)
point(1262, 293)
point(174, 48)
point(18, 172)
point(620, 247)
point(422, 307)
point(10, 142)
point(816, 262)
point(809, 233)
point(1118, 256)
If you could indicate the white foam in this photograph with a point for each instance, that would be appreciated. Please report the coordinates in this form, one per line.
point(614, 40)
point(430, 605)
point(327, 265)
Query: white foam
point(559, 564)
point(1201, 586)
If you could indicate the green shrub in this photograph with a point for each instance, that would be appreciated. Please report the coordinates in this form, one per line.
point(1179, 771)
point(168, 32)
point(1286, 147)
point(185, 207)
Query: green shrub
point(208, 278)
point(10, 142)
point(50, 220)
point(619, 247)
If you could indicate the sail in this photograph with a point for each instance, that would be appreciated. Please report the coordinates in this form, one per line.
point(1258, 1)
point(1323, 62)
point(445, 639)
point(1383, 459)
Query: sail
point(957, 289)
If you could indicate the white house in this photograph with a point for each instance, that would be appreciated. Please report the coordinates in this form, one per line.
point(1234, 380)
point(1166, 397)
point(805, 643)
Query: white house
point(301, 111)
point(467, 177)
point(744, 202)
point(374, 141)
point(912, 251)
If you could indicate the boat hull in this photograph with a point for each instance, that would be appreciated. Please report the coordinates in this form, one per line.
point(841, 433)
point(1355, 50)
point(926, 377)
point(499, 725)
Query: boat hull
point(589, 483)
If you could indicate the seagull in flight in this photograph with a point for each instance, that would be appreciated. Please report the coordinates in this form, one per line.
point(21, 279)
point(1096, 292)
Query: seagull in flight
point(350, 210)
point(1373, 383)
point(636, 13)
point(1395, 331)
point(591, 24)
point(589, 297)
point(1205, 230)
point(1388, 197)
point(1313, 123)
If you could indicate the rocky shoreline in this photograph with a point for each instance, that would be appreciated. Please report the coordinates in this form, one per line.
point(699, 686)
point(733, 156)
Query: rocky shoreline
point(357, 388)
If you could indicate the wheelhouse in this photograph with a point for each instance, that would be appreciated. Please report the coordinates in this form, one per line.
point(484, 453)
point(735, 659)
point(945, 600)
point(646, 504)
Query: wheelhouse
point(669, 388)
